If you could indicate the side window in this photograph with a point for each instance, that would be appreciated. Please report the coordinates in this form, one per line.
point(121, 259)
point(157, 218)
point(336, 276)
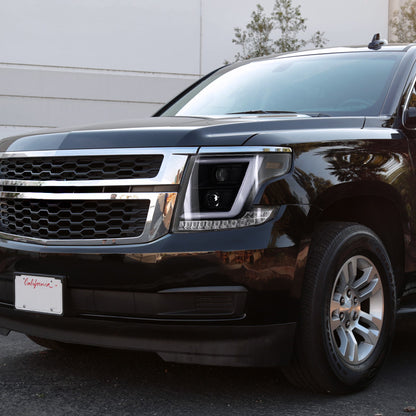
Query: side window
point(412, 100)
point(409, 114)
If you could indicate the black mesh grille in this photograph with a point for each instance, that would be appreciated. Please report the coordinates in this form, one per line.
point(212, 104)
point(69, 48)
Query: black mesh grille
point(81, 168)
point(70, 219)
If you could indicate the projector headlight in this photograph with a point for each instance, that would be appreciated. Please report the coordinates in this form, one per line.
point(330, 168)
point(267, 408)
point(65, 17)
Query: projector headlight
point(222, 185)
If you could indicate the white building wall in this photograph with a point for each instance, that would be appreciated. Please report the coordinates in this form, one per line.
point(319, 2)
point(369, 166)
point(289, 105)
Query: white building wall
point(65, 62)
point(352, 22)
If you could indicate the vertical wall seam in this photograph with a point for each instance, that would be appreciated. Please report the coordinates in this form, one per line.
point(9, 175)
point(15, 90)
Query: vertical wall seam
point(200, 37)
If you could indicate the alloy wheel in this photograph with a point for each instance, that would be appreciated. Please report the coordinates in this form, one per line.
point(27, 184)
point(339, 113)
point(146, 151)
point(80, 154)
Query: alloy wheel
point(356, 310)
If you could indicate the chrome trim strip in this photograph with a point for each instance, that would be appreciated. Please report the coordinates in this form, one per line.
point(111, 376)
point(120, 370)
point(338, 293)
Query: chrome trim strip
point(97, 182)
point(157, 224)
point(206, 289)
point(79, 197)
point(170, 173)
point(406, 104)
point(165, 151)
point(244, 149)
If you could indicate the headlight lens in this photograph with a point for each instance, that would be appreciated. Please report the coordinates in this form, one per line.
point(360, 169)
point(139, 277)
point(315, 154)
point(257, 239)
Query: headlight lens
point(216, 184)
point(221, 189)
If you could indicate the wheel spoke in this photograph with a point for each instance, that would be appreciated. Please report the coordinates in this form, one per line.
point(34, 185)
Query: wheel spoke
point(370, 320)
point(370, 290)
point(334, 306)
point(352, 347)
point(370, 336)
point(335, 323)
point(368, 274)
point(335, 303)
point(342, 279)
point(342, 335)
point(352, 270)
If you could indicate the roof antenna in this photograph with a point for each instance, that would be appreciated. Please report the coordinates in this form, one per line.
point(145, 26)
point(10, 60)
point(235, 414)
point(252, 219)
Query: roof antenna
point(377, 42)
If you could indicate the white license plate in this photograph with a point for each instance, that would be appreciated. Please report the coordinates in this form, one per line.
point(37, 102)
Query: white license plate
point(38, 294)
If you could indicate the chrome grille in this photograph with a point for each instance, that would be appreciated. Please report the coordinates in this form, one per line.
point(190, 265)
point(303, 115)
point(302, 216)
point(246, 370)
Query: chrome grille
point(89, 196)
point(80, 168)
point(68, 219)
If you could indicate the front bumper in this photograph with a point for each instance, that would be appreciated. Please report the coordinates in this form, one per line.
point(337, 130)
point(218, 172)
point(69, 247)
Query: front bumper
point(231, 306)
point(232, 345)
point(235, 308)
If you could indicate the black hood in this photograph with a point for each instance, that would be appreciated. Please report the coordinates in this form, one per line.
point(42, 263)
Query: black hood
point(173, 132)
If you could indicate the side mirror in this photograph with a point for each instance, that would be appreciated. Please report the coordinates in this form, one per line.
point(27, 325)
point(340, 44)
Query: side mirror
point(409, 119)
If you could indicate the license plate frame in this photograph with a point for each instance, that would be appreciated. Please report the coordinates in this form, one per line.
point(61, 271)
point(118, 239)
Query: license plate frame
point(39, 293)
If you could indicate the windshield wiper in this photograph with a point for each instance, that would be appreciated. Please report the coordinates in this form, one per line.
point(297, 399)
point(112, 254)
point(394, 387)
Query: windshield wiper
point(311, 114)
point(263, 112)
point(317, 114)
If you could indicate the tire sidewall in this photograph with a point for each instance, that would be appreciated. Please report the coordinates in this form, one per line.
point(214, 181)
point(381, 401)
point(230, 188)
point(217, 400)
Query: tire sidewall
point(352, 241)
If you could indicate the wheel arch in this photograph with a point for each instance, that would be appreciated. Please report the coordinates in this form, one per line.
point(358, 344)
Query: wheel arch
point(377, 206)
point(316, 363)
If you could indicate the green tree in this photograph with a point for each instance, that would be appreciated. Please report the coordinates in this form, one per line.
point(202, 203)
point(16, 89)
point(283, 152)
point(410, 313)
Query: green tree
point(284, 24)
point(256, 40)
point(289, 21)
point(404, 22)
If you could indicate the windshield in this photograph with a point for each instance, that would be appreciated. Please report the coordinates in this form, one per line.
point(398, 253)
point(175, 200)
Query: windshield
point(334, 84)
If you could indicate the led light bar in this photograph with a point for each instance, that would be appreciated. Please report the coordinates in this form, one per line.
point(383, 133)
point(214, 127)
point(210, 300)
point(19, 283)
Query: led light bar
point(258, 215)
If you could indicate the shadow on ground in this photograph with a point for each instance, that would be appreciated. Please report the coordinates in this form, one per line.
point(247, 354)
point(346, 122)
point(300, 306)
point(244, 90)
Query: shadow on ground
point(36, 381)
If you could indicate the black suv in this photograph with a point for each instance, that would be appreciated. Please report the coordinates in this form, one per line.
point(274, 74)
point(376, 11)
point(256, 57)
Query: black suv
point(266, 216)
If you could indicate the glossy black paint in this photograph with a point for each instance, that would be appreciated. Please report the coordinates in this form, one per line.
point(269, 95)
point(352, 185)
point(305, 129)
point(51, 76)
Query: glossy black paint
point(244, 345)
point(358, 169)
point(174, 132)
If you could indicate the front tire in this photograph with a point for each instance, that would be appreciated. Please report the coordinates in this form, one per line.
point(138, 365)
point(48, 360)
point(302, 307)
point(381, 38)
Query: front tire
point(347, 314)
